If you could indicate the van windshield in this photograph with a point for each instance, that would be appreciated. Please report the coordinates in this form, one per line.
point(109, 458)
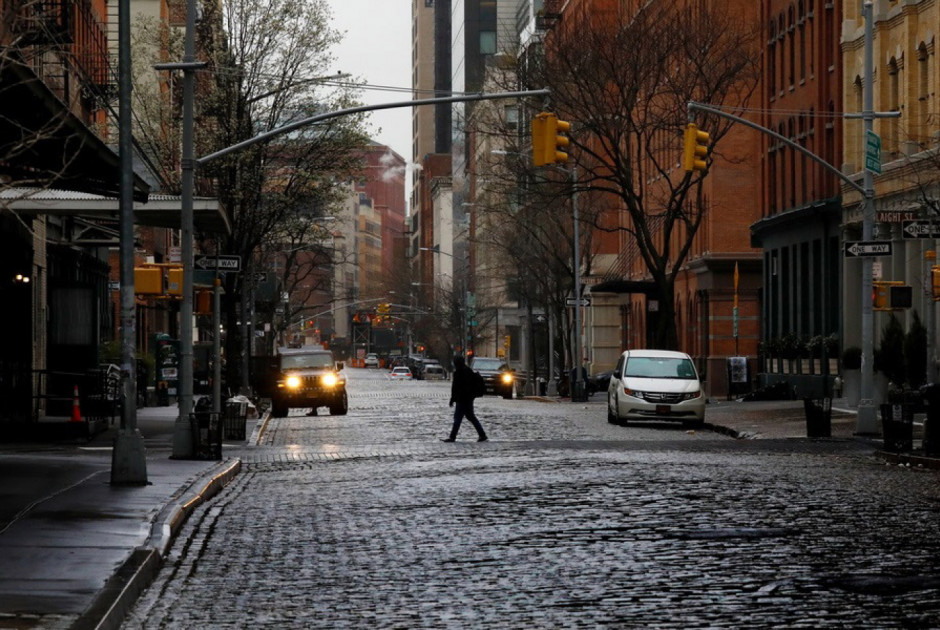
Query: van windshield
point(303, 361)
point(659, 367)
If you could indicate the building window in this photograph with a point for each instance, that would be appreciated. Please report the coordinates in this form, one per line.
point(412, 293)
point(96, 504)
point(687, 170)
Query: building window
point(487, 42)
point(923, 93)
point(894, 82)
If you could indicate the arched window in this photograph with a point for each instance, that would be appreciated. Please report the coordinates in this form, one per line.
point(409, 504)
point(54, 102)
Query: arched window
point(802, 41)
point(771, 58)
point(860, 133)
point(923, 94)
point(811, 41)
point(781, 39)
point(894, 95)
point(791, 48)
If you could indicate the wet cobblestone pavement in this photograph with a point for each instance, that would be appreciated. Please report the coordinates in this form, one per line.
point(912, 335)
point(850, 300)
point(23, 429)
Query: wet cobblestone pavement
point(562, 521)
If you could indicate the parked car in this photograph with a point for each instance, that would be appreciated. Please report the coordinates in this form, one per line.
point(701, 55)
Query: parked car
point(372, 360)
point(400, 373)
point(599, 382)
point(309, 377)
point(499, 378)
point(655, 385)
point(434, 372)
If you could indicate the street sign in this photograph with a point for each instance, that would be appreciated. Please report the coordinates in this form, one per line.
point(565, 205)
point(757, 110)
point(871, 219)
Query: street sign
point(577, 302)
point(873, 152)
point(221, 263)
point(854, 249)
point(920, 229)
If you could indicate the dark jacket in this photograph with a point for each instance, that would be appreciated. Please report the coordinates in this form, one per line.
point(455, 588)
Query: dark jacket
point(461, 389)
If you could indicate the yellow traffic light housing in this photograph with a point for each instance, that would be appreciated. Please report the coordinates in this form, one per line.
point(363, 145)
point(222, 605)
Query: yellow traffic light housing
point(148, 281)
point(935, 273)
point(204, 302)
point(174, 281)
point(549, 139)
point(695, 149)
point(891, 295)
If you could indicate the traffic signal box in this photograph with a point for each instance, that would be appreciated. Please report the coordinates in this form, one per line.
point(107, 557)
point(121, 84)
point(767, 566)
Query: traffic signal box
point(204, 302)
point(549, 140)
point(174, 285)
point(935, 273)
point(695, 149)
point(148, 280)
point(892, 295)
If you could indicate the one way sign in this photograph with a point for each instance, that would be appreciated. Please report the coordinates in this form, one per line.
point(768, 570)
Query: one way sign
point(854, 249)
point(920, 229)
point(221, 263)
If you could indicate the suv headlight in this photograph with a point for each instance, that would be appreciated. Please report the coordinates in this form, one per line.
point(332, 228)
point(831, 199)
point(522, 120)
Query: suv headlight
point(293, 382)
point(329, 380)
point(692, 395)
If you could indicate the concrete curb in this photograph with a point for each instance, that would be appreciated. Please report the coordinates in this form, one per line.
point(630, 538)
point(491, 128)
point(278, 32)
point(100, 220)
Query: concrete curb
point(113, 602)
point(917, 461)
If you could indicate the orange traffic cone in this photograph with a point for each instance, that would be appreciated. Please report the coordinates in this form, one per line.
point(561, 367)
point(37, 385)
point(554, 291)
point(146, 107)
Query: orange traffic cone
point(76, 411)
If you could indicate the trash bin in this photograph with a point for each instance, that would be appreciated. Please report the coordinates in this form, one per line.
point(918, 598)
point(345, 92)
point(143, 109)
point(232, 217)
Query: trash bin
point(818, 417)
point(931, 394)
point(897, 427)
point(207, 435)
point(236, 416)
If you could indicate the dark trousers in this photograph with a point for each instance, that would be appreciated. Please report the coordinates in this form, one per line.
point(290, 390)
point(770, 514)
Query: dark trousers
point(462, 409)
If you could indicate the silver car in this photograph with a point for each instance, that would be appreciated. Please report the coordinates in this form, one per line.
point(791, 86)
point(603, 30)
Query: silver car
point(655, 385)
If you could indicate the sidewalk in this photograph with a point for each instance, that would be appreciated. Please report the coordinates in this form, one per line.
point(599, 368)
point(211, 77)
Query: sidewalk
point(76, 550)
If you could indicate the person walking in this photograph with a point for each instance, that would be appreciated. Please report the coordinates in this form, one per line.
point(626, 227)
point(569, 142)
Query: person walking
point(461, 398)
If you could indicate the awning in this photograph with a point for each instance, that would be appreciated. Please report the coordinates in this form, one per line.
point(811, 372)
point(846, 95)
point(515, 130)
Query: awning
point(159, 211)
point(65, 153)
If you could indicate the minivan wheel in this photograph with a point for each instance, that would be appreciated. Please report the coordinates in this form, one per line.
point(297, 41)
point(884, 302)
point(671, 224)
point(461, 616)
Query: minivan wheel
point(611, 416)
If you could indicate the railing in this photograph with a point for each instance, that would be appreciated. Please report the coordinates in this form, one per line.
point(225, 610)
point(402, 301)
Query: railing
point(99, 393)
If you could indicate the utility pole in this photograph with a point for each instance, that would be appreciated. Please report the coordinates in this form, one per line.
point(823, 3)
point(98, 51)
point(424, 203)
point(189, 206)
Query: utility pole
point(183, 446)
point(128, 459)
point(866, 422)
point(577, 385)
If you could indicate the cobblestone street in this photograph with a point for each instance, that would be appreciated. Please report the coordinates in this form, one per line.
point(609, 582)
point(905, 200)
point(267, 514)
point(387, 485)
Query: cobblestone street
point(562, 520)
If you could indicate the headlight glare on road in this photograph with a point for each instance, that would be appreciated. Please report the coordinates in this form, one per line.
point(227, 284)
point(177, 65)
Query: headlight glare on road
point(293, 382)
point(329, 380)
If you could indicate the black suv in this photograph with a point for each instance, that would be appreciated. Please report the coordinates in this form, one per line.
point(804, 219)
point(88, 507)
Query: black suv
point(497, 375)
point(308, 377)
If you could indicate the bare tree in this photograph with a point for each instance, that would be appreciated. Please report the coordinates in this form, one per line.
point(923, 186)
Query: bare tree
point(625, 83)
point(268, 64)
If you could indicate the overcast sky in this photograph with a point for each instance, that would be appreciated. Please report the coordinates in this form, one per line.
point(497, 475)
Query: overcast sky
point(377, 48)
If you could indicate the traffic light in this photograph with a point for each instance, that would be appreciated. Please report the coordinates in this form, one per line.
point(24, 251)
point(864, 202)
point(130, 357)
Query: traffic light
point(549, 139)
point(891, 295)
point(174, 281)
point(204, 302)
point(695, 149)
point(148, 280)
point(506, 341)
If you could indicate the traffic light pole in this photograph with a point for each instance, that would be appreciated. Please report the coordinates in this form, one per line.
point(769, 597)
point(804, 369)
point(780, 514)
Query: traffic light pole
point(577, 385)
point(128, 458)
point(866, 422)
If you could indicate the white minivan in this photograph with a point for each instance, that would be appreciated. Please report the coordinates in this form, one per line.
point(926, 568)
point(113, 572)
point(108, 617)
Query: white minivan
point(655, 385)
